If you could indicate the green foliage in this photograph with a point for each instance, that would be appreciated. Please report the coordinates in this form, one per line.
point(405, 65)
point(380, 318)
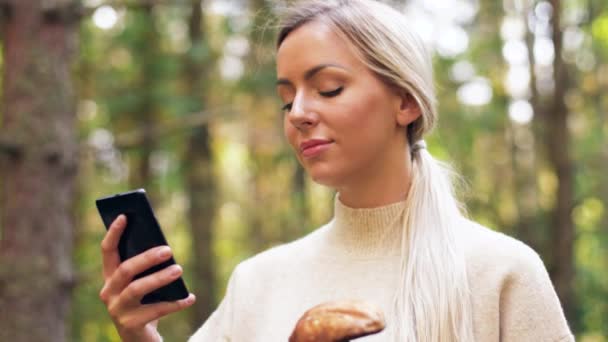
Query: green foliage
point(599, 29)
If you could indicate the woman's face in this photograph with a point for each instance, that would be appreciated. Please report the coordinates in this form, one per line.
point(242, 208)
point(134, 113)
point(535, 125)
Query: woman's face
point(343, 122)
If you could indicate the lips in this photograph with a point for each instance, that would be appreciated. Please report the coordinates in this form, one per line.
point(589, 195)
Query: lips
point(313, 147)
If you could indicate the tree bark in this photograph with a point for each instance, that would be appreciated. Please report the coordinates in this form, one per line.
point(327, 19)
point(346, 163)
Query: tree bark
point(528, 227)
point(258, 236)
point(36, 271)
point(558, 141)
point(198, 169)
point(300, 205)
point(140, 174)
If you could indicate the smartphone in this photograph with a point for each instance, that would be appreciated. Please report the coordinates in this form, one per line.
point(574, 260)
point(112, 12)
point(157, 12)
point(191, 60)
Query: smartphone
point(142, 233)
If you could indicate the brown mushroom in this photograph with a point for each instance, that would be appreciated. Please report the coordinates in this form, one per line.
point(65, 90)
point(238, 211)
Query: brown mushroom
point(338, 322)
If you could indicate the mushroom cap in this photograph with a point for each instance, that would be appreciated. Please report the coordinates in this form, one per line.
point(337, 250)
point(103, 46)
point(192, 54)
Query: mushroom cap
point(338, 321)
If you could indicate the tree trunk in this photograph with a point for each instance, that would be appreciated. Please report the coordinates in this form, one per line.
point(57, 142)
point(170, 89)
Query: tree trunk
point(145, 115)
point(523, 162)
point(39, 164)
point(301, 211)
point(198, 169)
point(258, 238)
point(528, 227)
point(558, 144)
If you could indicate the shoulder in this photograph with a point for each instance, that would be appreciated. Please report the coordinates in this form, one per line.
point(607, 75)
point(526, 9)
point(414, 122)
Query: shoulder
point(505, 271)
point(501, 262)
point(486, 248)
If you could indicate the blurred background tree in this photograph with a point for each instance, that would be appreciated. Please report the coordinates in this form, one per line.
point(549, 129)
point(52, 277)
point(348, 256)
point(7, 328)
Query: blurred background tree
point(38, 146)
point(179, 97)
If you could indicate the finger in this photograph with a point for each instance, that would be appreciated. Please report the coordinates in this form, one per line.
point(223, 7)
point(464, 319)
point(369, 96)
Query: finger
point(150, 312)
point(109, 246)
point(137, 289)
point(131, 267)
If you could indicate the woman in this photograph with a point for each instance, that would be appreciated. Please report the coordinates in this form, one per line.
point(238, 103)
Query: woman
point(358, 92)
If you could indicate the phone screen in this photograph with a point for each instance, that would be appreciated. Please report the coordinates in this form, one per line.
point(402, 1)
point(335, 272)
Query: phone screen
point(142, 233)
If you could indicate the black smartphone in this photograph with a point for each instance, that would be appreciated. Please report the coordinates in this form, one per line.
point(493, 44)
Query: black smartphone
point(142, 233)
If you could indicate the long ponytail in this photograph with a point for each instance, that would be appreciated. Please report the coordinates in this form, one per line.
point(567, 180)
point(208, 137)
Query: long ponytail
point(432, 301)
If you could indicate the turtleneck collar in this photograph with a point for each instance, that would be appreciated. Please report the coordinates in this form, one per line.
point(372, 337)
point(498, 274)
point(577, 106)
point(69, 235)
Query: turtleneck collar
point(366, 232)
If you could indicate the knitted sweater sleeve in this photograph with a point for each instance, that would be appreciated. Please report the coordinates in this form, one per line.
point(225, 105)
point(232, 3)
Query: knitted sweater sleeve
point(529, 307)
point(218, 327)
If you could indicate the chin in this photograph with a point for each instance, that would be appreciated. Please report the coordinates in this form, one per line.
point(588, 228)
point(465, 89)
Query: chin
point(325, 178)
point(325, 182)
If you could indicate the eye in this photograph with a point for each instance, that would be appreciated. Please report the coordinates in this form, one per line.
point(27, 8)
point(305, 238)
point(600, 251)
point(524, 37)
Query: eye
point(332, 93)
point(287, 107)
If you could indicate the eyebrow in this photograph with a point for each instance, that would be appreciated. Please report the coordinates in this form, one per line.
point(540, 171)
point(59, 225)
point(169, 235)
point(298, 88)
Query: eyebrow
point(310, 73)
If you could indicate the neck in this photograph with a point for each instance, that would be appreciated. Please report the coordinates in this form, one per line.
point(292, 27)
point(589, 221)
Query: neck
point(381, 184)
point(367, 232)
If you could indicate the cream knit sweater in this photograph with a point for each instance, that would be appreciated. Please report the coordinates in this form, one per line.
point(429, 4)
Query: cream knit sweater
point(356, 256)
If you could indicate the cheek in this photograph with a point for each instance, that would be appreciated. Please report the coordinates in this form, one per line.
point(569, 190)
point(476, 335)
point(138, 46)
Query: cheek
point(366, 121)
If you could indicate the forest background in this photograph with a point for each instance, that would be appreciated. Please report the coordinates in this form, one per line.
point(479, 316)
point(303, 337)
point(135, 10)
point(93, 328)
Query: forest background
point(178, 97)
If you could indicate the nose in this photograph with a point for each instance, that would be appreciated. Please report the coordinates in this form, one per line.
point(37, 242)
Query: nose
point(301, 116)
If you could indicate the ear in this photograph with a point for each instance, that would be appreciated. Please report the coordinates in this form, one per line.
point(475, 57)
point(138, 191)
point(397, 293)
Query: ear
point(408, 111)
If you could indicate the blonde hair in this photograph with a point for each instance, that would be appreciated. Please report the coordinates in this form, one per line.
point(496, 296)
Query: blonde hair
point(432, 301)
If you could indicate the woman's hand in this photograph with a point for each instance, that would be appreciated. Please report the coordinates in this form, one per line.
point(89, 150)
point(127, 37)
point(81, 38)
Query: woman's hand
point(122, 295)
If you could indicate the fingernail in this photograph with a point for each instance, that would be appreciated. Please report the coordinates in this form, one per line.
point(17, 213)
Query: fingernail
point(122, 218)
point(190, 299)
point(175, 270)
point(165, 252)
